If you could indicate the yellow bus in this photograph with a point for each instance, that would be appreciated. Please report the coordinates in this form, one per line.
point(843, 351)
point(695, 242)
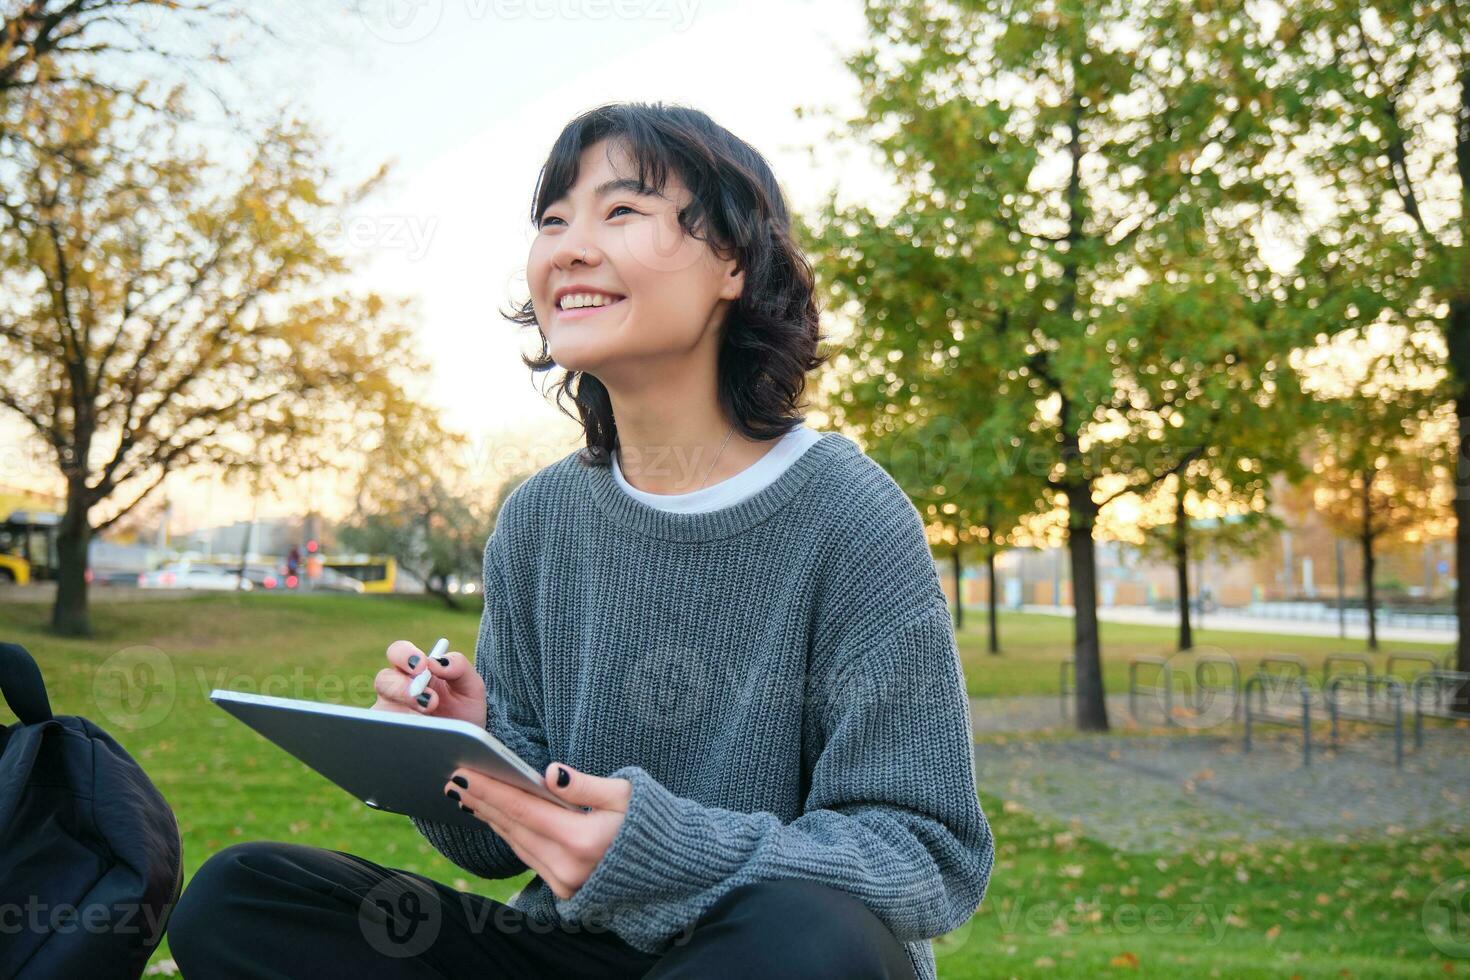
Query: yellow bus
point(377, 573)
point(28, 547)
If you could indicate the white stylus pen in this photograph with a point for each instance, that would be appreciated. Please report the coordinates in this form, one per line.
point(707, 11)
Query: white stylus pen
point(421, 680)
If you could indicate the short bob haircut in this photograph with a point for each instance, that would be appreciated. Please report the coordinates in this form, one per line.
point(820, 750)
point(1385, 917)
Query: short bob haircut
point(770, 333)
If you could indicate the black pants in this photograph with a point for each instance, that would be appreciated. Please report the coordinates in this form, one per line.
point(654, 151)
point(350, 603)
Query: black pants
point(267, 909)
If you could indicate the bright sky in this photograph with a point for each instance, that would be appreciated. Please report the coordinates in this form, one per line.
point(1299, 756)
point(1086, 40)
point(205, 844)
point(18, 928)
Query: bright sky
point(467, 96)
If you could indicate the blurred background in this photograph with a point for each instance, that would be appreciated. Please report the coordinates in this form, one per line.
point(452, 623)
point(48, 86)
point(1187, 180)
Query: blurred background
point(1159, 313)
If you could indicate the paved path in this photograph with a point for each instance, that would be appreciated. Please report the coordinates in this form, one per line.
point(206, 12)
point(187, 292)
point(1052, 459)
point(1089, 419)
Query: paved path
point(1161, 794)
point(1240, 623)
point(1040, 712)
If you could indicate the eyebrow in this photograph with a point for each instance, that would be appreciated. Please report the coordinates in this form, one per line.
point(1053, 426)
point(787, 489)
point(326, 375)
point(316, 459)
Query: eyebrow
point(629, 184)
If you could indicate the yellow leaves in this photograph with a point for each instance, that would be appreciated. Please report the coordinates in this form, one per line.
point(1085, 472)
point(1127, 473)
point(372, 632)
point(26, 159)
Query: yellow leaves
point(1126, 960)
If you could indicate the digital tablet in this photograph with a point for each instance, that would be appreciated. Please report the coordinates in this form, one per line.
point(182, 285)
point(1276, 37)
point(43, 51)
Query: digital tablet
point(391, 761)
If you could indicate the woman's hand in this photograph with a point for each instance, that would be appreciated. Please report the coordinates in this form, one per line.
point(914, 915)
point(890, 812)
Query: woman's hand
point(561, 846)
point(455, 692)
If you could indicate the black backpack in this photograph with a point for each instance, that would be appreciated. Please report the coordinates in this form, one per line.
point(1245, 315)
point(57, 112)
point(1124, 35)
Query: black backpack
point(90, 858)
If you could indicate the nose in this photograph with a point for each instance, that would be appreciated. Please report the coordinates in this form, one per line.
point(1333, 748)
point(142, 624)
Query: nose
point(572, 248)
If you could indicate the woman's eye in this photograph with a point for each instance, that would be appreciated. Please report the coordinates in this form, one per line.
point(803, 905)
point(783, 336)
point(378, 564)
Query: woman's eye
point(614, 211)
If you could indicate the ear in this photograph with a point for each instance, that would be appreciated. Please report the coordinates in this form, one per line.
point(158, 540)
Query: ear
point(733, 285)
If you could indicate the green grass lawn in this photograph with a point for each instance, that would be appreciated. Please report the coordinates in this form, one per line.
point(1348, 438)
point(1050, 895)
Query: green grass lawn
point(1058, 904)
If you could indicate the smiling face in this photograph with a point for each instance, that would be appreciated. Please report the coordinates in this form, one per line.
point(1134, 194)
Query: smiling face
point(673, 289)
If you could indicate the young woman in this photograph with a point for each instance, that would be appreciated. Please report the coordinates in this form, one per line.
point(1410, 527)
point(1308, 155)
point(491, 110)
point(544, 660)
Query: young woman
point(720, 630)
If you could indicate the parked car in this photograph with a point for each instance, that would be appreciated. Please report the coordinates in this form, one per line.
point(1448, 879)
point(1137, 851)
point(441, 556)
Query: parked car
point(113, 576)
point(187, 575)
point(275, 578)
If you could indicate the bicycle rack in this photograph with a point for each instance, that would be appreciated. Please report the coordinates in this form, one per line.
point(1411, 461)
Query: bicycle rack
point(1419, 658)
point(1440, 679)
point(1258, 682)
point(1395, 689)
point(1290, 660)
point(1209, 659)
point(1168, 687)
point(1193, 696)
point(1361, 659)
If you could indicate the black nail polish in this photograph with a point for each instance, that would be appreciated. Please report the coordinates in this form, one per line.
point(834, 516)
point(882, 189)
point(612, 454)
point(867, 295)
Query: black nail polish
point(562, 776)
point(452, 794)
point(423, 699)
point(442, 661)
point(465, 808)
point(413, 661)
point(461, 782)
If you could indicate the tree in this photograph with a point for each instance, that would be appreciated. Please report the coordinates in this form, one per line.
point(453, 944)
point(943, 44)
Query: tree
point(1377, 101)
point(1066, 175)
point(157, 311)
point(415, 502)
point(108, 45)
point(962, 486)
point(1239, 534)
point(1381, 466)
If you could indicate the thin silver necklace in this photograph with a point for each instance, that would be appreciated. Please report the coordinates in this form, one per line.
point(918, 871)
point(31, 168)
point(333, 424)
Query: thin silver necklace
point(717, 457)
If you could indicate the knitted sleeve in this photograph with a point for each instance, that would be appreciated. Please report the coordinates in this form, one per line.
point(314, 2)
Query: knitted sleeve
point(892, 815)
point(510, 717)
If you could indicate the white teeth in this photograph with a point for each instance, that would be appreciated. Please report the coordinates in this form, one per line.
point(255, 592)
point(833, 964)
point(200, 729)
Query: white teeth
point(573, 301)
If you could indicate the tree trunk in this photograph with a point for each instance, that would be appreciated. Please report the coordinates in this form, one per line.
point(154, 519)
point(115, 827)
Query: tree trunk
point(1181, 570)
point(994, 601)
point(438, 584)
point(956, 570)
point(1458, 338)
point(1092, 708)
point(69, 613)
point(1366, 538)
point(1370, 600)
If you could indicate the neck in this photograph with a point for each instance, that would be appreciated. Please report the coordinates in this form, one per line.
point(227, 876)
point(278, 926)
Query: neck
point(668, 440)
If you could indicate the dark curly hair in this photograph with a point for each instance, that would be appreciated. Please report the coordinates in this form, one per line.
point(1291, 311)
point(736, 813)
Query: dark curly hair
point(770, 334)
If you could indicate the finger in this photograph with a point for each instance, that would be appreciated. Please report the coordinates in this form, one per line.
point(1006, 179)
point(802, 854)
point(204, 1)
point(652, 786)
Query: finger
point(451, 668)
point(517, 839)
point(393, 686)
point(515, 805)
point(400, 652)
point(520, 835)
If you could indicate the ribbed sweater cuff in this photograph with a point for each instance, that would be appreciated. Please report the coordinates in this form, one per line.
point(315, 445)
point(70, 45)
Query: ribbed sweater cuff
point(637, 864)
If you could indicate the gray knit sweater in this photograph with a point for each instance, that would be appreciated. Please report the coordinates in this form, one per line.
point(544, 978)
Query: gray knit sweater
point(778, 680)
